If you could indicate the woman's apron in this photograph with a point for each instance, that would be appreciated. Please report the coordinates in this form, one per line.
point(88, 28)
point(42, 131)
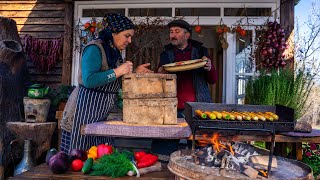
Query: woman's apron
point(92, 105)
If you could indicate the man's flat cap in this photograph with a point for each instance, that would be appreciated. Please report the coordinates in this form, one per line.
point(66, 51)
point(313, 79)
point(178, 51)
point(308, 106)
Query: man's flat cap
point(180, 23)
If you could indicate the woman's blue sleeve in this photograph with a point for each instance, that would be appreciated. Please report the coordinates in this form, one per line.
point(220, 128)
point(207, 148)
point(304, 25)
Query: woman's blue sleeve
point(92, 76)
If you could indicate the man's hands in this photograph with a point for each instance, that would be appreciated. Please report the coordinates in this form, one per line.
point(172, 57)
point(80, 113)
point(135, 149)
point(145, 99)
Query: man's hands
point(124, 68)
point(143, 68)
point(207, 67)
point(161, 70)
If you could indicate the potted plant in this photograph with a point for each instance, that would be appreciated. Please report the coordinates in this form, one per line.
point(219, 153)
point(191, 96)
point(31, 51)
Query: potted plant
point(60, 96)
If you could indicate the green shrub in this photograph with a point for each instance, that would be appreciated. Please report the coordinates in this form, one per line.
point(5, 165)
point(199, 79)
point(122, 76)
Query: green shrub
point(283, 87)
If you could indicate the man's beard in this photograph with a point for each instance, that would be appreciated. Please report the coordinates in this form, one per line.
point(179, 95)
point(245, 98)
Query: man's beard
point(177, 43)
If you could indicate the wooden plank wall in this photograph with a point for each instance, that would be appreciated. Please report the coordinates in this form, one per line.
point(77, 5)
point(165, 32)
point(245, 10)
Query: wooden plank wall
point(41, 19)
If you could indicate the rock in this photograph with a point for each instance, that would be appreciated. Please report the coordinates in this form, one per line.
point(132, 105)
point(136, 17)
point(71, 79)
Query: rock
point(302, 126)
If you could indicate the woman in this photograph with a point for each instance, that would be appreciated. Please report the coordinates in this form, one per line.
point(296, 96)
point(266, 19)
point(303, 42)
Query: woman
point(99, 86)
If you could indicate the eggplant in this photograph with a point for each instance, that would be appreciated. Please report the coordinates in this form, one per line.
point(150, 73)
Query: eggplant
point(77, 154)
point(59, 163)
point(50, 153)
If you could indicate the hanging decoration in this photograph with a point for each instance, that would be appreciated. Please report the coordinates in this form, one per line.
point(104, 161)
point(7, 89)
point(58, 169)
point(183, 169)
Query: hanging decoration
point(44, 53)
point(221, 29)
point(197, 28)
point(271, 46)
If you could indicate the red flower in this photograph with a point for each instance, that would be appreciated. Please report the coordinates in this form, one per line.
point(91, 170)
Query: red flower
point(308, 154)
point(313, 146)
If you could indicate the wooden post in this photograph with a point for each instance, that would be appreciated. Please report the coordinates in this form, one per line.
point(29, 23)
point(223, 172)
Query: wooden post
point(12, 75)
point(287, 22)
point(67, 44)
point(8, 30)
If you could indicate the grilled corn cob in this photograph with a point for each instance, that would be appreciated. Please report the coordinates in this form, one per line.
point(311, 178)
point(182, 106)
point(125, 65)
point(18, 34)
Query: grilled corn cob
point(200, 114)
point(244, 116)
point(225, 115)
point(232, 117)
point(218, 114)
point(268, 117)
point(276, 117)
point(262, 118)
point(252, 116)
point(237, 116)
point(210, 115)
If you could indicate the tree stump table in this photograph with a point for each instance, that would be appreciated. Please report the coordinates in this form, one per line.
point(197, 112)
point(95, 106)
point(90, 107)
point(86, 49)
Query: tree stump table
point(39, 133)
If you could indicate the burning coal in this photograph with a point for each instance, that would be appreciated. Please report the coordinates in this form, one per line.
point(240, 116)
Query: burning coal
point(231, 156)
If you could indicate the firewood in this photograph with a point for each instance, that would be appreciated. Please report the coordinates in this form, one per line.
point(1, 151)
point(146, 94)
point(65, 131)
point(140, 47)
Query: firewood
point(263, 161)
point(250, 171)
point(154, 168)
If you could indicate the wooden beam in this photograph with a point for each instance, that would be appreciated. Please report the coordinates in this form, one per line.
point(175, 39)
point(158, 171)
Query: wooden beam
point(34, 21)
point(32, 2)
point(40, 14)
point(31, 7)
point(37, 28)
point(44, 35)
point(67, 44)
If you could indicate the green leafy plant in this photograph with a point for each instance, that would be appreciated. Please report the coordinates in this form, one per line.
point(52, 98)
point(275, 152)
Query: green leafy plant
point(60, 94)
point(311, 156)
point(282, 86)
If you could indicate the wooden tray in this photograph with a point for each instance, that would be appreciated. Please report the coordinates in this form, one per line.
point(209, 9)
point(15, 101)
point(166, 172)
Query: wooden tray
point(185, 65)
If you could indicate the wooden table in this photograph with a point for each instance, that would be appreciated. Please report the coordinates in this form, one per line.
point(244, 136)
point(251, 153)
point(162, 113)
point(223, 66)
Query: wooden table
point(182, 131)
point(43, 172)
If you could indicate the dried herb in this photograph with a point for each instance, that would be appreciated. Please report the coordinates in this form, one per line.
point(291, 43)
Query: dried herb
point(114, 165)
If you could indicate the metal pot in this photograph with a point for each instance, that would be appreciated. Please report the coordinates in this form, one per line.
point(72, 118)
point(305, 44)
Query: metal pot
point(37, 91)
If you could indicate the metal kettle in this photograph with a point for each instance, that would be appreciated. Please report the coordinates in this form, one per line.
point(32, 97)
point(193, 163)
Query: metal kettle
point(26, 162)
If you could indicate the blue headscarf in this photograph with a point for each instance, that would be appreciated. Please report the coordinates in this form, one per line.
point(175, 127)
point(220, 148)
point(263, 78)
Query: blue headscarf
point(113, 23)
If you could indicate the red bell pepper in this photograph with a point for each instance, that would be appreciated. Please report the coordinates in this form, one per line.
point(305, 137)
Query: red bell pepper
point(103, 149)
point(147, 160)
point(138, 155)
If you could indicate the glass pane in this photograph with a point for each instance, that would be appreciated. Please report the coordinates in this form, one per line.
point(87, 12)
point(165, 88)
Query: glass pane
point(247, 11)
point(150, 12)
point(241, 82)
point(101, 12)
point(197, 11)
point(244, 53)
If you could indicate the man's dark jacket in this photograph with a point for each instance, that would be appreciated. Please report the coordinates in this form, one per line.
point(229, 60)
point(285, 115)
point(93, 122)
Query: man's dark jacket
point(199, 79)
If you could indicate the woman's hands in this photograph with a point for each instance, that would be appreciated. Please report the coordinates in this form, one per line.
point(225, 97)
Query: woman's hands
point(127, 68)
point(124, 68)
point(143, 68)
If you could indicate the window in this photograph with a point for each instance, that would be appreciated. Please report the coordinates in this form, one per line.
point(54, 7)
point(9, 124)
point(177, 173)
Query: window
point(150, 12)
point(100, 12)
point(197, 11)
point(247, 11)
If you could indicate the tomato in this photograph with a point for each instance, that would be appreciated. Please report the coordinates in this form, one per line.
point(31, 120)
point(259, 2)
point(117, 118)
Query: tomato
point(225, 29)
point(92, 29)
point(219, 30)
point(86, 25)
point(197, 29)
point(94, 23)
point(76, 165)
point(242, 32)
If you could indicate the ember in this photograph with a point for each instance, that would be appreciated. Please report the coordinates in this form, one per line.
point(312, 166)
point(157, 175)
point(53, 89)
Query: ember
point(224, 155)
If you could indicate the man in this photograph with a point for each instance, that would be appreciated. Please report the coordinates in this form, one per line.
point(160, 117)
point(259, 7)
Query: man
point(192, 85)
